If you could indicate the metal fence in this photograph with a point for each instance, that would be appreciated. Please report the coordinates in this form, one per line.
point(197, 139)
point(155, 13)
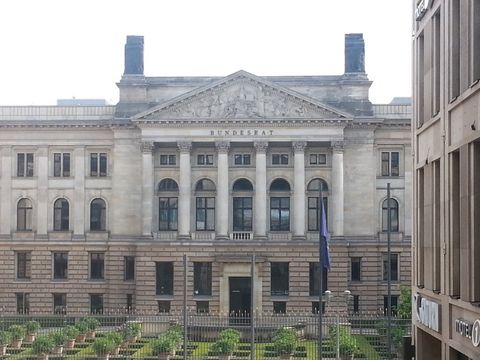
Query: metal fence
point(367, 332)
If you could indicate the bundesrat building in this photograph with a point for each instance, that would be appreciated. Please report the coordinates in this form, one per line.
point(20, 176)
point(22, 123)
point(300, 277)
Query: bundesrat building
point(99, 204)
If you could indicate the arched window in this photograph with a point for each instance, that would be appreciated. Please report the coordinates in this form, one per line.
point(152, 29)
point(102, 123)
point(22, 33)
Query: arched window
point(61, 215)
point(313, 194)
point(168, 205)
point(24, 215)
point(205, 205)
point(168, 185)
point(98, 215)
point(242, 205)
point(393, 214)
point(280, 205)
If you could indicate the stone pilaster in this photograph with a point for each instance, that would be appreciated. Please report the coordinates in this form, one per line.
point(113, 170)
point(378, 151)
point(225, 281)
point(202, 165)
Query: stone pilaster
point(41, 171)
point(147, 187)
point(337, 188)
point(184, 199)
point(222, 190)
point(260, 210)
point(79, 225)
point(299, 189)
point(6, 191)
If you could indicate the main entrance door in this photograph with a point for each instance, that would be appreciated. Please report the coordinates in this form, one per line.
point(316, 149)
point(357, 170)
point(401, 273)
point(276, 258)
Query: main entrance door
point(240, 299)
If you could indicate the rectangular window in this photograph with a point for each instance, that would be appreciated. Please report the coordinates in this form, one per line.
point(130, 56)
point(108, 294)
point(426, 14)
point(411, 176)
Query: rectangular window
point(25, 164)
point(315, 307)
point(61, 164)
point(394, 304)
point(318, 159)
point(314, 212)
point(315, 279)
point(394, 267)
point(168, 159)
point(163, 306)
point(205, 159)
point(129, 271)
point(97, 266)
point(24, 265)
point(60, 265)
point(205, 214)
point(60, 304)
point(356, 303)
point(203, 307)
point(279, 307)
point(242, 159)
point(280, 213)
point(355, 268)
point(390, 163)
point(164, 277)
point(242, 214)
point(168, 214)
point(23, 303)
point(279, 278)
point(279, 159)
point(98, 164)
point(96, 303)
point(202, 278)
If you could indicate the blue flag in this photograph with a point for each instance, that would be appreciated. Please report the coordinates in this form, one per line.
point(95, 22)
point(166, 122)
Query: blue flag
point(325, 248)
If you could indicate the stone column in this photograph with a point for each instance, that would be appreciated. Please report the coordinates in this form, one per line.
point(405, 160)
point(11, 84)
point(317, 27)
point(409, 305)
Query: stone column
point(184, 198)
point(337, 187)
point(260, 210)
point(222, 202)
point(79, 224)
point(299, 189)
point(147, 187)
point(6, 211)
point(42, 211)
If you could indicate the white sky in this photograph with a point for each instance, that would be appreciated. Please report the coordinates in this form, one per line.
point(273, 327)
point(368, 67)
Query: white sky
point(51, 49)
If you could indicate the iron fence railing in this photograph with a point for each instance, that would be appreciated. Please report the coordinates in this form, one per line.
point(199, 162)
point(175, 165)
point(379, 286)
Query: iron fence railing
point(367, 332)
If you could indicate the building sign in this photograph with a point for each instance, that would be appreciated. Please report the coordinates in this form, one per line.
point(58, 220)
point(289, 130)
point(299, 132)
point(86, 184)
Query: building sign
point(242, 132)
point(469, 330)
point(421, 9)
point(427, 312)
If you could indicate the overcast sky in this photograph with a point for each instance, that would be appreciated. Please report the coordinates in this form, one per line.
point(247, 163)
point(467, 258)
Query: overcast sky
point(53, 49)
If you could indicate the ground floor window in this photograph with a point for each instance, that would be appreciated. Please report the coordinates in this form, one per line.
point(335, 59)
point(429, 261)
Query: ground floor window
point(96, 303)
point(203, 307)
point(315, 307)
point(163, 306)
point(394, 304)
point(60, 304)
point(279, 307)
point(315, 279)
point(23, 303)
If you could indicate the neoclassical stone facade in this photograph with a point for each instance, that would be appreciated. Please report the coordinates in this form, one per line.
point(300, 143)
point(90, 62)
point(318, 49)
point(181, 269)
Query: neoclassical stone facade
point(99, 204)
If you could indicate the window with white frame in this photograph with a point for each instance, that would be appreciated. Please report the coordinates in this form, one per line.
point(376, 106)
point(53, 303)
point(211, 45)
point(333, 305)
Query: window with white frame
point(279, 159)
point(242, 159)
point(205, 159)
point(25, 164)
point(98, 164)
point(61, 164)
point(168, 159)
point(318, 159)
point(390, 163)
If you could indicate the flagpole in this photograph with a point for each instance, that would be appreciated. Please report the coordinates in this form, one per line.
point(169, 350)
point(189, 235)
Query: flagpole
point(320, 265)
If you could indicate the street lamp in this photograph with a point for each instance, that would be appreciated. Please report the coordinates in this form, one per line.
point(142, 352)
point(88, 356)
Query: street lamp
point(346, 295)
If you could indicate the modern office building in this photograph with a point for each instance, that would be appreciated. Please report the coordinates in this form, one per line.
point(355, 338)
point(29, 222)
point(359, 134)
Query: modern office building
point(100, 203)
point(446, 135)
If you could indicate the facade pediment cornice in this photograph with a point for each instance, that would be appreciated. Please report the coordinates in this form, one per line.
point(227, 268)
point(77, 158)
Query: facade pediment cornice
point(238, 98)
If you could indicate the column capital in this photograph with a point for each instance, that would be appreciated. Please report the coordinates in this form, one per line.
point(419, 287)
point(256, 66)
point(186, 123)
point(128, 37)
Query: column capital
point(337, 146)
point(184, 146)
point(260, 146)
point(299, 146)
point(147, 146)
point(222, 146)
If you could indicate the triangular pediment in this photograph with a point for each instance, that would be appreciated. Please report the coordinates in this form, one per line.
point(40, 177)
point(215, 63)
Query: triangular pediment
point(241, 96)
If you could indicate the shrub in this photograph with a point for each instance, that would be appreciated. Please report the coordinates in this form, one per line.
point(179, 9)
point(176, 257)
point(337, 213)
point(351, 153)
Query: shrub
point(58, 337)
point(82, 327)
point(162, 345)
point(5, 338)
point(132, 329)
point(17, 332)
point(347, 343)
point(284, 340)
point(115, 337)
point(71, 332)
point(32, 327)
point(103, 346)
point(175, 336)
point(231, 334)
point(92, 323)
point(227, 341)
point(42, 345)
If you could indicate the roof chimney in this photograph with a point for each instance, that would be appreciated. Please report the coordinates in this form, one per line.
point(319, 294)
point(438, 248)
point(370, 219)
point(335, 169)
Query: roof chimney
point(134, 55)
point(354, 54)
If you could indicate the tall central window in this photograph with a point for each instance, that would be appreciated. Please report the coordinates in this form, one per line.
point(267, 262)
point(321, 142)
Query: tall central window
point(242, 205)
point(98, 215)
point(164, 277)
point(24, 215)
point(202, 278)
point(205, 205)
point(61, 217)
point(168, 205)
point(313, 190)
point(280, 205)
point(393, 215)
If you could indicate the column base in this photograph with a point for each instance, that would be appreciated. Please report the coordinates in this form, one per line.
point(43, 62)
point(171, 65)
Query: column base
point(222, 237)
point(298, 237)
point(184, 237)
point(260, 237)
